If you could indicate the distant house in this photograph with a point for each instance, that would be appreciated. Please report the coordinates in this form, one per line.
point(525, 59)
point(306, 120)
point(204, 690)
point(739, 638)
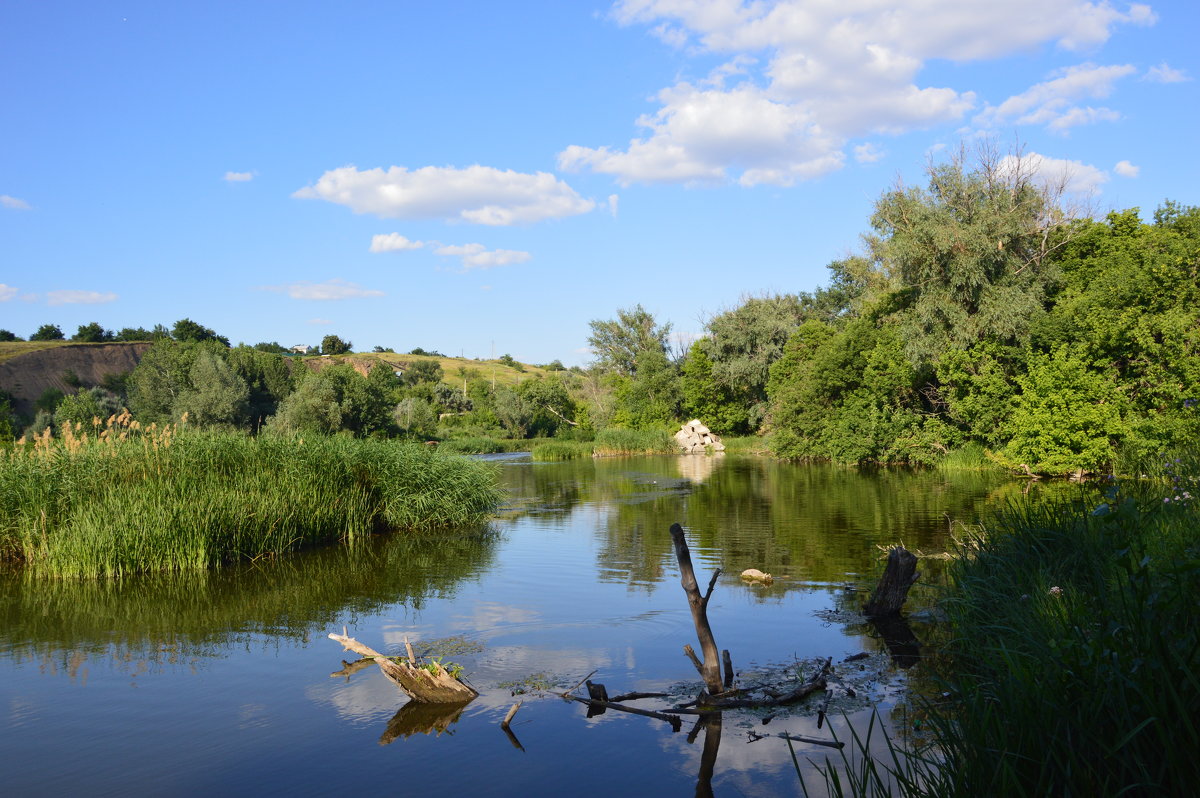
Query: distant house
point(300, 349)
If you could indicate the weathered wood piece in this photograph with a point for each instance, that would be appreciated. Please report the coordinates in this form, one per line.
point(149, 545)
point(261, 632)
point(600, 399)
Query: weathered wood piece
point(636, 695)
point(710, 668)
point(591, 702)
point(899, 575)
point(430, 684)
point(596, 691)
point(815, 683)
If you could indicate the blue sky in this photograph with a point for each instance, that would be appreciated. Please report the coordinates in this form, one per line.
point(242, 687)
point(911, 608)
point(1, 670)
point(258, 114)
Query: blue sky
point(467, 175)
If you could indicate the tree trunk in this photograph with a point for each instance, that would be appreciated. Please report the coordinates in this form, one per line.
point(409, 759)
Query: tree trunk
point(899, 575)
point(710, 668)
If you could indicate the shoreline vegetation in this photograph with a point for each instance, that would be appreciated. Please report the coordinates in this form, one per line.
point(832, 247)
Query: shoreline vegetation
point(123, 498)
point(1071, 666)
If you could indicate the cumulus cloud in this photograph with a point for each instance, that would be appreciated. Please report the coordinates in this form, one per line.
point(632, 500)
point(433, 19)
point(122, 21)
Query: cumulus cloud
point(238, 177)
point(477, 194)
point(1165, 74)
point(476, 256)
point(7, 292)
point(1074, 177)
point(1126, 169)
point(79, 297)
point(13, 203)
point(868, 153)
point(806, 78)
point(393, 242)
point(1052, 102)
point(329, 290)
point(699, 134)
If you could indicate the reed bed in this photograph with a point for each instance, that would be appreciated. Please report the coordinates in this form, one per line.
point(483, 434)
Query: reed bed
point(483, 445)
point(121, 498)
point(557, 451)
point(630, 441)
point(1074, 667)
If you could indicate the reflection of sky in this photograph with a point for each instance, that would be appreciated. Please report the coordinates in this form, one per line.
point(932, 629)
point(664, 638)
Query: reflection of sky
point(548, 603)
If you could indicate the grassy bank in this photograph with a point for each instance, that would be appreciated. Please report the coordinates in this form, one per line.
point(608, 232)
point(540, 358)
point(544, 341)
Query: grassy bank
point(163, 499)
point(1075, 662)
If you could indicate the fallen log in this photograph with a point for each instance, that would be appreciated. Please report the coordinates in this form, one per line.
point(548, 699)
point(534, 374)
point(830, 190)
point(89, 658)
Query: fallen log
point(594, 704)
point(429, 683)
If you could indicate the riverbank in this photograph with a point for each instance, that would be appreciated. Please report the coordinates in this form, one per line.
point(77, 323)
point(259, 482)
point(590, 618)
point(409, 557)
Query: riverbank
point(126, 499)
point(1072, 666)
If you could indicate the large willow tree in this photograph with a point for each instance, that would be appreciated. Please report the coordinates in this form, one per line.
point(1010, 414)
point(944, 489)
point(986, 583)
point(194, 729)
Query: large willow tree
point(969, 253)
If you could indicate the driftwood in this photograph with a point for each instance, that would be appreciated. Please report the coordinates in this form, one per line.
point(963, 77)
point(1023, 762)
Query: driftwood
point(710, 668)
point(430, 684)
point(594, 704)
point(815, 683)
point(899, 575)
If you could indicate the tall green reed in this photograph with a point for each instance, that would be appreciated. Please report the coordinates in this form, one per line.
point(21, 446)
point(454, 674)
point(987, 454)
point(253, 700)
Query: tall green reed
point(191, 500)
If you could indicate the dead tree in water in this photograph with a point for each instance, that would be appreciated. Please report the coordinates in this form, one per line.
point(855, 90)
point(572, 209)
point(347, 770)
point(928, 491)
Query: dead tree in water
point(899, 575)
point(710, 668)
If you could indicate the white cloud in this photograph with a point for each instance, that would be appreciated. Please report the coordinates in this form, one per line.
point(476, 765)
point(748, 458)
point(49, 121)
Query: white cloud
point(238, 177)
point(1075, 177)
point(1051, 103)
point(329, 290)
point(79, 297)
point(13, 203)
point(1126, 169)
point(476, 256)
point(613, 202)
point(320, 321)
point(1165, 74)
point(699, 134)
point(477, 194)
point(868, 153)
point(7, 292)
point(808, 77)
point(393, 242)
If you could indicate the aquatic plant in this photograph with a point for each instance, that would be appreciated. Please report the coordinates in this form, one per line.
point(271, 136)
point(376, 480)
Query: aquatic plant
point(122, 498)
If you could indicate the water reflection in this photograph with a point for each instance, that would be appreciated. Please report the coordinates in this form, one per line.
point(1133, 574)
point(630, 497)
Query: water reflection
point(577, 575)
point(168, 620)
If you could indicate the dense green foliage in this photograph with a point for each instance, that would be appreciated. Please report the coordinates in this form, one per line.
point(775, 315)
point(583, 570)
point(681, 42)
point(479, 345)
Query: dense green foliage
point(980, 316)
point(1072, 667)
point(165, 500)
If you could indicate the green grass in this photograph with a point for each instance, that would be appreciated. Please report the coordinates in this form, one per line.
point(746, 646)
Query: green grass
point(1074, 666)
point(479, 444)
point(630, 441)
point(971, 457)
point(552, 450)
point(192, 500)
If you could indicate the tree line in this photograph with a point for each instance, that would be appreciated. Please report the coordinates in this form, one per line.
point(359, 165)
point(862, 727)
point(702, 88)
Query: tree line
point(980, 317)
point(980, 320)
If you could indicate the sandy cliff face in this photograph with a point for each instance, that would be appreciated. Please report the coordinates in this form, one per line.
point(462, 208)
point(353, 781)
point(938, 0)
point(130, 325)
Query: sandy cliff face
point(28, 376)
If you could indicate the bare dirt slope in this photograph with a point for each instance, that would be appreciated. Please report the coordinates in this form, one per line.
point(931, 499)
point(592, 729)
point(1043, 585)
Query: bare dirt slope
point(28, 375)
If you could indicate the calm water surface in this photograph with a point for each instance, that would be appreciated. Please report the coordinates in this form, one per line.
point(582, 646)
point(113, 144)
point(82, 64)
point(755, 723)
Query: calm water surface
point(219, 683)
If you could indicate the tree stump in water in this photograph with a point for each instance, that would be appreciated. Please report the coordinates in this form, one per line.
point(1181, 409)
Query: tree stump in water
point(430, 683)
point(899, 575)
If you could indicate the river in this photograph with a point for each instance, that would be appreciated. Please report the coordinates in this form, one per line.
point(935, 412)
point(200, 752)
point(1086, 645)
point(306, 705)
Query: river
point(219, 683)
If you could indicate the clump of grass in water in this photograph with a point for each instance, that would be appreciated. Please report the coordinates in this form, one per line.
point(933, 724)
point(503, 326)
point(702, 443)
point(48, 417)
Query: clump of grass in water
point(630, 441)
point(126, 498)
point(550, 451)
point(1073, 664)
